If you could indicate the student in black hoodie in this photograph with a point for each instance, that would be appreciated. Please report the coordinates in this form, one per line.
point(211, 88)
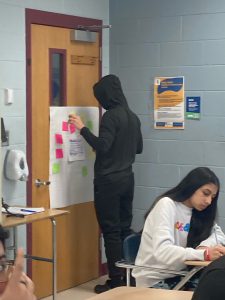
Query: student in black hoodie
point(119, 140)
point(212, 282)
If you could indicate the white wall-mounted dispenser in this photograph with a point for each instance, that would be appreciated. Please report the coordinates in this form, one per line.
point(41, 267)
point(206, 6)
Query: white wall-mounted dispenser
point(15, 166)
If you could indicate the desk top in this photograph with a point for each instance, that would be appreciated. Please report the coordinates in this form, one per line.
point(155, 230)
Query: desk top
point(197, 263)
point(47, 214)
point(134, 293)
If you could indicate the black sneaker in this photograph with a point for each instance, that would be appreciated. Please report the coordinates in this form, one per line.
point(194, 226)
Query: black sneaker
point(101, 288)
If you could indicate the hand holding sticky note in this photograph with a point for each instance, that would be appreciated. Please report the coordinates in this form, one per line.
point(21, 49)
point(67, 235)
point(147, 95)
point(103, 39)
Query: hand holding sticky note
point(71, 116)
point(76, 120)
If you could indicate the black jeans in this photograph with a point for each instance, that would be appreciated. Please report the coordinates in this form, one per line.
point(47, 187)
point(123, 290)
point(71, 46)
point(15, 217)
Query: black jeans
point(113, 205)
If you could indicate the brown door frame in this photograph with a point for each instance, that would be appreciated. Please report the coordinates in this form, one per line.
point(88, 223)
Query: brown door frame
point(49, 19)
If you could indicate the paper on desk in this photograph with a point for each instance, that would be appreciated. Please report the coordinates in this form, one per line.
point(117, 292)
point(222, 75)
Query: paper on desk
point(23, 210)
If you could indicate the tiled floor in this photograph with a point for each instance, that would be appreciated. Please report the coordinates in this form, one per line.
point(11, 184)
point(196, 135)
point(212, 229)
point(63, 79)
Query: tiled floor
point(81, 292)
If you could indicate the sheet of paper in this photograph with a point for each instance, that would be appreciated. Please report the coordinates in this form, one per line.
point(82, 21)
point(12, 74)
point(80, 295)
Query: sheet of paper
point(71, 165)
point(23, 210)
point(76, 149)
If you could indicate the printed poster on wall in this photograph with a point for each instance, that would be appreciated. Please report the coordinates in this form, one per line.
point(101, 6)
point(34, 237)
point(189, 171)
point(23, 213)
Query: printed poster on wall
point(169, 103)
point(193, 105)
point(71, 165)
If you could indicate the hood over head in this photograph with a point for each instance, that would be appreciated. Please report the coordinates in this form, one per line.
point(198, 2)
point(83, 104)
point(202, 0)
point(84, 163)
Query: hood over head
point(108, 91)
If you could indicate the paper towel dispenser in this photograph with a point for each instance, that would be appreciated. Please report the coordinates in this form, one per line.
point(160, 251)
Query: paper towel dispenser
point(15, 166)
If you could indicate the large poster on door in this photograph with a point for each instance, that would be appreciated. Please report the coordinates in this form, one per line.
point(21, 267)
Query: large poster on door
point(169, 103)
point(71, 165)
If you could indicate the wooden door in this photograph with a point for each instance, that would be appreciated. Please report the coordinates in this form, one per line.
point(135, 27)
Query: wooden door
point(77, 234)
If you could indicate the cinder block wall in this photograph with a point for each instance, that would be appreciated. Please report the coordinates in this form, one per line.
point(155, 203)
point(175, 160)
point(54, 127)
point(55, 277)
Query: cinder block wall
point(172, 38)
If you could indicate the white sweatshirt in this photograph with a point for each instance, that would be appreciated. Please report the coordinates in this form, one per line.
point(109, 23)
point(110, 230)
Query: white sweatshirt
point(164, 239)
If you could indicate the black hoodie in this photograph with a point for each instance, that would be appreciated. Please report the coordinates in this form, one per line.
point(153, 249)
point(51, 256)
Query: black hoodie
point(120, 135)
point(212, 282)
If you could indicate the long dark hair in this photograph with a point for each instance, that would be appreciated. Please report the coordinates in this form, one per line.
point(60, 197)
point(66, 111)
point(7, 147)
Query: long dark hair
point(201, 221)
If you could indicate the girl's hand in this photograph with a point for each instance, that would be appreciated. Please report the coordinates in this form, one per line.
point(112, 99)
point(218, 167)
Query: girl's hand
point(216, 252)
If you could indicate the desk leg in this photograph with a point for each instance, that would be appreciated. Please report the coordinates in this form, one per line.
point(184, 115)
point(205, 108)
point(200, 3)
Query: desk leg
point(15, 246)
point(54, 273)
point(187, 277)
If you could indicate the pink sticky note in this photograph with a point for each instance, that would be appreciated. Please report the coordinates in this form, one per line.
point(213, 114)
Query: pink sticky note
point(64, 126)
point(58, 138)
point(59, 153)
point(72, 128)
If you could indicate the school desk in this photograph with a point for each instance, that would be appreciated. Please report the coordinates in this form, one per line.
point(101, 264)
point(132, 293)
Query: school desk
point(197, 263)
point(197, 266)
point(134, 293)
point(51, 214)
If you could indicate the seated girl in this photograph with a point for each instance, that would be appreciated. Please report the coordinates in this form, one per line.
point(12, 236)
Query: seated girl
point(180, 226)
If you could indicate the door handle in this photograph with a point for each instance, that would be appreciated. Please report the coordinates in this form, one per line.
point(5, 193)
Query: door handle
point(39, 182)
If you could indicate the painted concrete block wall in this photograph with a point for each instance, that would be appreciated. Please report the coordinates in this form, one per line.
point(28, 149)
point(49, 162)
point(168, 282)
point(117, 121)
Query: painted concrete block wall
point(172, 38)
point(13, 68)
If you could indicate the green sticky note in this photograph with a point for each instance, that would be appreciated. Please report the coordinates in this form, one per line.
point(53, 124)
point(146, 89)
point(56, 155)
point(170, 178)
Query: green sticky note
point(56, 168)
point(89, 125)
point(84, 171)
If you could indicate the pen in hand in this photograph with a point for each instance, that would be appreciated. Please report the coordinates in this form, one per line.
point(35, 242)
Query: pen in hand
point(216, 236)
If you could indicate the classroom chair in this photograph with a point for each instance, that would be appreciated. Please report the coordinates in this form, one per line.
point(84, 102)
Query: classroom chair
point(130, 249)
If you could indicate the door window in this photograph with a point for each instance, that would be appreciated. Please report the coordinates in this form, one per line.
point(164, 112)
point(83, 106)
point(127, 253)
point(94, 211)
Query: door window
point(57, 77)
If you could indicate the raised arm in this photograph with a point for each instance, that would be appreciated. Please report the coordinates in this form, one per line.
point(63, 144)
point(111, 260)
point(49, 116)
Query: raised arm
point(20, 286)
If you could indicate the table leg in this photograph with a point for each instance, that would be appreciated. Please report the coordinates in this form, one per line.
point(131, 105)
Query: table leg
point(15, 241)
point(13, 247)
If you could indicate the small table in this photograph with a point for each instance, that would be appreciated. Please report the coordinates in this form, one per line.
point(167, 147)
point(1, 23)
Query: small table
point(51, 214)
point(134, 293)
point(197, 266)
